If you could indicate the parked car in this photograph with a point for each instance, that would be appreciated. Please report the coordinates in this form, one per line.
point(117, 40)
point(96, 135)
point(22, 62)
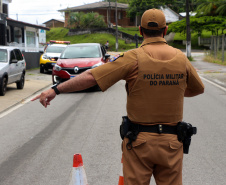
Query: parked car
point(77, 58)
point(12, 68)
point(51, 54)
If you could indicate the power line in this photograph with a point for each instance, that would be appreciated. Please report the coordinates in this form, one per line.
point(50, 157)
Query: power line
point(36, 14)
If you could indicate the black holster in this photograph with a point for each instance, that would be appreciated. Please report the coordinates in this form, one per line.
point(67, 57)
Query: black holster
point(184, 133)
point(128, 130)
point(183, 130)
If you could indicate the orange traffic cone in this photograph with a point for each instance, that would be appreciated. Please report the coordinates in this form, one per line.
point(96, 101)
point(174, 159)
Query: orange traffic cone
point(78, 174)
point(121, 178)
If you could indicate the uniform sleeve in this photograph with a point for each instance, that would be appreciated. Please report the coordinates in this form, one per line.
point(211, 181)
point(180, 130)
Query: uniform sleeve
point(108, 74)
point(194, 83)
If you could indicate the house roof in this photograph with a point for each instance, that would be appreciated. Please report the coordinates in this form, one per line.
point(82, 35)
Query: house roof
point(22, 24)
point(183, 14)
point(54, 20)
point(171, 16)
point(96, 5)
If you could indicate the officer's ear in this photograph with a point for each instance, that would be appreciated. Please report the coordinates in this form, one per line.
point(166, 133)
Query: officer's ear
point(165, 31)
point(141, 31)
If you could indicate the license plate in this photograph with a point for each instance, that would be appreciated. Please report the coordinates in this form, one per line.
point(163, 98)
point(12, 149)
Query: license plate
point(72, 76)
point(53, 64)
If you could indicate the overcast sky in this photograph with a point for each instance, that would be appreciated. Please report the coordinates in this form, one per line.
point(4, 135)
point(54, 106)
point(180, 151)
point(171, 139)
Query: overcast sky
point(40, 11)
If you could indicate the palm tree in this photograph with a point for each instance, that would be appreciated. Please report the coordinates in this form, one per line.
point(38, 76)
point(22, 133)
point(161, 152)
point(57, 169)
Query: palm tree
point(221, 10)
point(211, 7)
point(207, 7)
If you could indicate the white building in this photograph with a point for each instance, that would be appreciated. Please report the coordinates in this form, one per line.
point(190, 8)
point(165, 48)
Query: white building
point(28, 37)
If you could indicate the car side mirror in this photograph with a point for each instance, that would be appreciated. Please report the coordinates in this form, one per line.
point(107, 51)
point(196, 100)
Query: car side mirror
point(107, 56)
point(14, 61)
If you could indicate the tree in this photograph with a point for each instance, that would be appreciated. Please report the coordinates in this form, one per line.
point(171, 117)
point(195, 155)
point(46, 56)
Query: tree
point(207, 7)
point(211, 7)
point(92, 20)
point(198, 24)
point(75, 19)
point(137, 7)
point(86, 20)
point(221, 10)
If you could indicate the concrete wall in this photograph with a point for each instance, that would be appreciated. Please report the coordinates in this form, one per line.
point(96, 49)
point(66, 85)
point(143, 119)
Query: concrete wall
point(32, 59)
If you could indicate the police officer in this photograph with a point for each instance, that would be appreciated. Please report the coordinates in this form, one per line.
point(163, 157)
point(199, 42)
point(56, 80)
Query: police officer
point(158, 77)
point(107, 45)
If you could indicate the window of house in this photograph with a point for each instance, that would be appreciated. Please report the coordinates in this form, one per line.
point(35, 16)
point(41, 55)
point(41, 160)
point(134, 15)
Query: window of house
point(30, 36)
point(120, 15)
point(17, 35)
point(5, 9)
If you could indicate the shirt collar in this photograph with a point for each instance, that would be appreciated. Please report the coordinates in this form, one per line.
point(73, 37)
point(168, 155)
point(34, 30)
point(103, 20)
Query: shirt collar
point(153, 40)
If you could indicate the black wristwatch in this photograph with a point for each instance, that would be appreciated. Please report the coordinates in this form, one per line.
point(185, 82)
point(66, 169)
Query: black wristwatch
point(54, 87)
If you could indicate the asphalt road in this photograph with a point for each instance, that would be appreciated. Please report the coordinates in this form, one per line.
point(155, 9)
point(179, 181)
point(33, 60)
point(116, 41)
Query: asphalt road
point(37, 144)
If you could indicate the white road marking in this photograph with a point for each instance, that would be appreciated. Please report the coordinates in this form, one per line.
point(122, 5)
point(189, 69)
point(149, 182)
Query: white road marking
point(213, 83)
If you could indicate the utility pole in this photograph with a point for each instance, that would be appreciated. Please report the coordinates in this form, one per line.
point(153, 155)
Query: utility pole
point(188, 43)
point(116, 22)
point(1, 6)
point(109, 14)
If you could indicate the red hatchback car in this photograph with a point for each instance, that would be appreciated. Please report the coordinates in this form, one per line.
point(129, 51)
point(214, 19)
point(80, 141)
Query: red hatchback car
point(77, 58)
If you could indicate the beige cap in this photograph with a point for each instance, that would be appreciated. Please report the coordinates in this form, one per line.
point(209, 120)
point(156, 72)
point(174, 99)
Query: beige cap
point(153, 19)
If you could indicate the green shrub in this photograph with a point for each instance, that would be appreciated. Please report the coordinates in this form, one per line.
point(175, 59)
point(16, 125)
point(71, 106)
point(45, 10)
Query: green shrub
point(86, 20)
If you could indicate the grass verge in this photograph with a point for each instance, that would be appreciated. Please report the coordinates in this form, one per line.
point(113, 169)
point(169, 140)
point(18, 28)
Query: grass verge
point(61, 34)
point(218, 60)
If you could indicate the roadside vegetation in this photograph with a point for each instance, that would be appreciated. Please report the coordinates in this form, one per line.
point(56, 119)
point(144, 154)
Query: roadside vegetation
point(209, 57)
point(61, 34)
point(81, 20)
point(209, 20)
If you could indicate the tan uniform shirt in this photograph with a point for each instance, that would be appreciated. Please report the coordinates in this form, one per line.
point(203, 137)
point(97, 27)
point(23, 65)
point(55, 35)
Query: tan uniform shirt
point(157, 76)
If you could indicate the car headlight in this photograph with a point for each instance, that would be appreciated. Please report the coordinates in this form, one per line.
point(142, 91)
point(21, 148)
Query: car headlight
point(44, 56)
point(57, 67)
point(96, 65)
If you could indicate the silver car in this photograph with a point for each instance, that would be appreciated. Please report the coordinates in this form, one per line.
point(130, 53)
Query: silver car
point(12, 68)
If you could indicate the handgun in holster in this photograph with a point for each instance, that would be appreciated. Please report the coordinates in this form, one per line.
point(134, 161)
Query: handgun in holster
point(184, 133)
point(128, 130)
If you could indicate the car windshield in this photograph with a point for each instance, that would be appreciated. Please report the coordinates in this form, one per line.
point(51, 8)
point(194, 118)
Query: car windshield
point(91, 51)
point(54, 49)
point(3, 55)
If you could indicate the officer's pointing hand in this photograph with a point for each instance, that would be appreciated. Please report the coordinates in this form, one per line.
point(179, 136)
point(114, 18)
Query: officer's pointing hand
point(45, 97)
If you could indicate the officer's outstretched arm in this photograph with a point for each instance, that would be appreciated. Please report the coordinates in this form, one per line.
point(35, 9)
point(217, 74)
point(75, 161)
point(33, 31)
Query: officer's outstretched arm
point(78, 83)
point(189, 93)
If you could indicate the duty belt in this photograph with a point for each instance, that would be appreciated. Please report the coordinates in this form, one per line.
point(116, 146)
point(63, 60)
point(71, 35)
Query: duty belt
point(161, 129)
point(183, 130)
